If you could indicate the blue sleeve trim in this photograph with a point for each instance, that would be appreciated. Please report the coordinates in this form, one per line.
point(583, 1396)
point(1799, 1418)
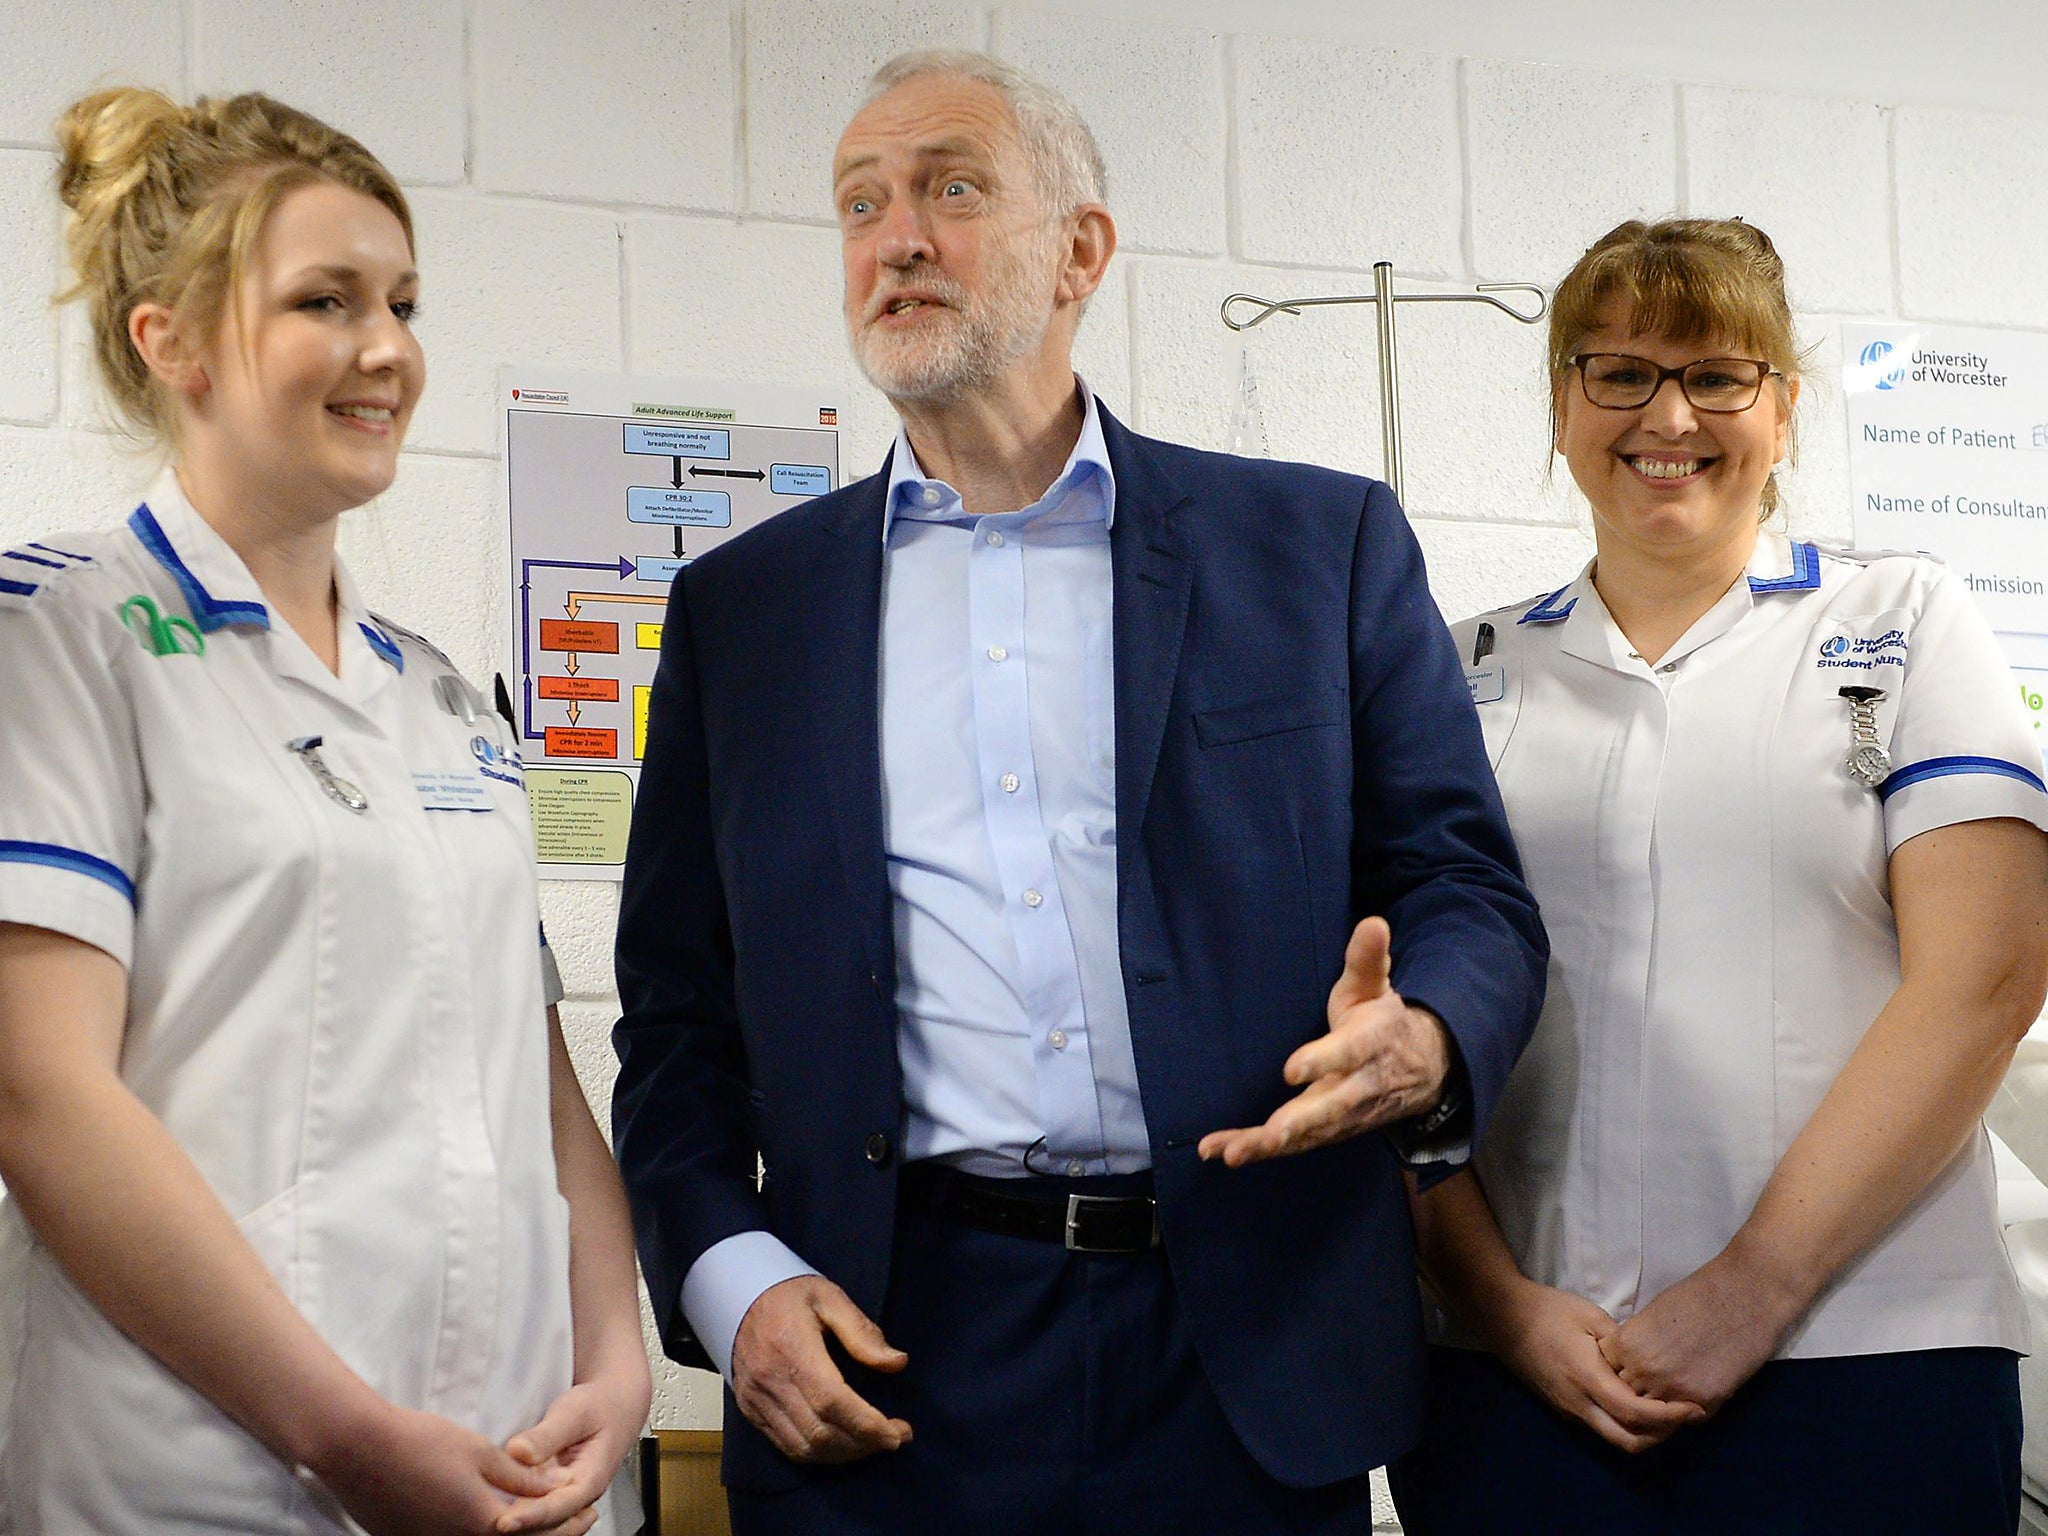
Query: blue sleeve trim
point(50, 549)
point(52, 856)
point(383, 645)
point(28, 559)
point(18, 588)
point(1942, 767)
point(1805, 573)
point(208, 612)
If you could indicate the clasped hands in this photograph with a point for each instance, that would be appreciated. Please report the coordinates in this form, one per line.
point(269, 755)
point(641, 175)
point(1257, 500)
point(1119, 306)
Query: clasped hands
point(416, 1472)
point(1674, 1363)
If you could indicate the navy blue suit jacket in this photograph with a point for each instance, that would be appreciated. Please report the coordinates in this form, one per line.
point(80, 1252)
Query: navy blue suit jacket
point(1295, 749)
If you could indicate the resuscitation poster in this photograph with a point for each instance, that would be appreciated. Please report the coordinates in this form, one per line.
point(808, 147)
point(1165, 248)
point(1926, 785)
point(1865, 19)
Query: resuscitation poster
point(1948, 454)
point(612, 485)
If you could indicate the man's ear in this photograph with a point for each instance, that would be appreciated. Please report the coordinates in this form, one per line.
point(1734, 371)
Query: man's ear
point(167, 351)
point(1091, 241)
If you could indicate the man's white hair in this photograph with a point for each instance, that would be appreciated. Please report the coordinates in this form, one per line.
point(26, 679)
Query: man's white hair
point(1063, 153)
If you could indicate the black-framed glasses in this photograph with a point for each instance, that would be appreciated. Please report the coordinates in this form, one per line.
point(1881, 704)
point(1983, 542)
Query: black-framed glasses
point(1615, 381)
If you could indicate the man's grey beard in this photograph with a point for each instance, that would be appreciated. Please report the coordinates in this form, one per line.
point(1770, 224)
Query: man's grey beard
point(972, 347)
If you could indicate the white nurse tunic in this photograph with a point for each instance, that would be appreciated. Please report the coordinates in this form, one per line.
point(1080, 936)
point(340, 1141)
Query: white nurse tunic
point(1714, 883)
point(337, 1012)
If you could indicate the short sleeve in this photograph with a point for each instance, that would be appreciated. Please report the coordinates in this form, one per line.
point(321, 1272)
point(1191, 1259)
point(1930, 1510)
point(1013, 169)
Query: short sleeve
point(71, 781)
point(551, 991)
point(1962, 747)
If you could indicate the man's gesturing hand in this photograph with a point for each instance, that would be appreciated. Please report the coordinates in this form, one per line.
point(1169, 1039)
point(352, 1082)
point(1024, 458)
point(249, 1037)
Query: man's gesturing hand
point(788, 1386)
point(1381, 1061)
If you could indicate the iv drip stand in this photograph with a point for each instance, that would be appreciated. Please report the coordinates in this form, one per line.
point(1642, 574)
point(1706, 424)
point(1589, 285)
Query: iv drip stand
point(1384, 299)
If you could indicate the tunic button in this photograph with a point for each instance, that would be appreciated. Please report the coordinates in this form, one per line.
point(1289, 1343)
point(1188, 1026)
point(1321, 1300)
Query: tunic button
point(1057, 1039)
point(1076, 1168)
point(1010, 783)
point(1033, 899)
point(996, 540)
point(876, 1149)
point(998, 653)
point(929, 496)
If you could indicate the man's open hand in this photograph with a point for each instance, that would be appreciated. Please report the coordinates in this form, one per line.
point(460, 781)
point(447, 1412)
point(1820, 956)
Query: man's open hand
point(788, 1386)
point(1382, 1061)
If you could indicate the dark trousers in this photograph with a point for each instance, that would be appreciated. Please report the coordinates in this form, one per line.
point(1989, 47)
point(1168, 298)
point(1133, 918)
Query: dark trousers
point(1050, 1394)
point(1920, 1443)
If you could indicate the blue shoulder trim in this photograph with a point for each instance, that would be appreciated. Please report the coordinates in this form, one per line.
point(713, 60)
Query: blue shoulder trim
point(55, 857)
point(1942, 767)
point(15, 587)
point(208, 611)
point(1805, 573)
point(1546, 612)
point(383, 645)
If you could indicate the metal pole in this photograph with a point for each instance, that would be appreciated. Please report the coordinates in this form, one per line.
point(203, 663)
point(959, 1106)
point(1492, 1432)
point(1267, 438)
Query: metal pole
point(1390, 397)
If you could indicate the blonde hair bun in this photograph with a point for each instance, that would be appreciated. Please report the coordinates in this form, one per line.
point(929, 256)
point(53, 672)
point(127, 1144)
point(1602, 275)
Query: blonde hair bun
point(167, 203)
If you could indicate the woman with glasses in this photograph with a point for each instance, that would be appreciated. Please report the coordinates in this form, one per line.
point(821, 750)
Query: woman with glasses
point(1728, 1258)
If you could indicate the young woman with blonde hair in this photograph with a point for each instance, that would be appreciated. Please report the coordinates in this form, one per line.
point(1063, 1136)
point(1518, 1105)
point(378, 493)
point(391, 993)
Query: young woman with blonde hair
point(308, 1226)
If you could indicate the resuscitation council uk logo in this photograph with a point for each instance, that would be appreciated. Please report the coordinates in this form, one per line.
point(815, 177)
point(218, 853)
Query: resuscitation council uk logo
point(1873, 358)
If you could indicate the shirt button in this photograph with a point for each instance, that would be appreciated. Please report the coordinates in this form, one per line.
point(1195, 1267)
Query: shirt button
point(1033, 899)
point(876, 1149)
point(996, 539)
point(998, 653)
point(1668, 667)
point(1010, 782)
point(1057, 1039)
point(929, 495)
point(1075, 1168)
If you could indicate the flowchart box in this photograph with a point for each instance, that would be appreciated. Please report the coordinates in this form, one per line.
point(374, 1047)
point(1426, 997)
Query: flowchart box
point(661, 568)
point(678, 442)
point(799, 479)
point(597, 690)
point(580, 741)
point(579, 635)
point(580, 816)
point(679, 508)
point(647, 636)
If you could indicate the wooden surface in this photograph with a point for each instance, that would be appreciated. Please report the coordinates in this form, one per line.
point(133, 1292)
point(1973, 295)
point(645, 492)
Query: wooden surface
point(692, 1498)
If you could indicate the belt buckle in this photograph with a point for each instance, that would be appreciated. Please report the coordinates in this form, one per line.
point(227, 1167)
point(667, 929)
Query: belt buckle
point(1076, 1204)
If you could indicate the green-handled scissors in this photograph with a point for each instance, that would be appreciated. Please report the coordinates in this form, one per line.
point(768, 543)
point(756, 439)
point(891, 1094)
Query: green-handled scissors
point(166, 637)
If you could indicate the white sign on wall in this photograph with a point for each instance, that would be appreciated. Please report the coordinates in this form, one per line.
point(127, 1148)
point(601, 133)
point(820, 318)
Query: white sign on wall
point(1948, 453)
point(612, 485)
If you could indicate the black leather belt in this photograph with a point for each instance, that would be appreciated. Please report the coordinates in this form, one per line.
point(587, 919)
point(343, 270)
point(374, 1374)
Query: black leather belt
point(1079, 1222)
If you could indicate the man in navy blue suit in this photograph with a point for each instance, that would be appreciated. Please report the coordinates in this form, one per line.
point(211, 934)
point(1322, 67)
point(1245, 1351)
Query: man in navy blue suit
point(1054, 856)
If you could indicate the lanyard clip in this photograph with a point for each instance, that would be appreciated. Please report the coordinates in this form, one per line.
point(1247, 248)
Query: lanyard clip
point(340, 791)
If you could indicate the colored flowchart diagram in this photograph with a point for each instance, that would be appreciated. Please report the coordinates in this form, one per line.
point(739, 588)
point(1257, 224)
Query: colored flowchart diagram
point(606, 503)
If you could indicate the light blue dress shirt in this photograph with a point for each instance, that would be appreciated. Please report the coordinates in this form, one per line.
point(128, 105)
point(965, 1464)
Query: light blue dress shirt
point(998, 747)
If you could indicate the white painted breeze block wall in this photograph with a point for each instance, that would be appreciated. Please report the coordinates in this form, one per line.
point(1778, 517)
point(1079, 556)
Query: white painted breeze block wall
point(644, 187)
